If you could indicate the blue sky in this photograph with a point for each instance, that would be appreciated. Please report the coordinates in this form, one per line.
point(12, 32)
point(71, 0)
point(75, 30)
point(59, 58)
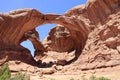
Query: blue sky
point(45, 6)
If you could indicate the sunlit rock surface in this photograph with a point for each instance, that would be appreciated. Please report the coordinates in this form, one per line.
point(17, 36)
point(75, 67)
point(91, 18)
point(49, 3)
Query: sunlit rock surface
point(87, 34)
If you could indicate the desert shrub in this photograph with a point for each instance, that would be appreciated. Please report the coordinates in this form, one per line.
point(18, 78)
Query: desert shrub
point(95, 78)
point(83, 78)
point(5, 74)
point(52, 79)
point(98, 78)
point(103, 78)
point(72, 79)
point(20, 76)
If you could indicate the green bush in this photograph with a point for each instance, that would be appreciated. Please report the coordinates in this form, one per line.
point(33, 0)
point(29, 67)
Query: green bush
point(99, 78)
point(103, 78)
point(52, 79)
point(20, 76)
point(83, 78)
point(5, 74)
point(95, 78)
point(72, 79)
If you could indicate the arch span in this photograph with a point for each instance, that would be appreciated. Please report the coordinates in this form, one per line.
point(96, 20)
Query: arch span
point(15, 24)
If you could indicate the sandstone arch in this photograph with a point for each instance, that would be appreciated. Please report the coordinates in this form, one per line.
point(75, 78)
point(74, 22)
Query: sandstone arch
point(102, 48)
point(16, 23)
point(19, 21)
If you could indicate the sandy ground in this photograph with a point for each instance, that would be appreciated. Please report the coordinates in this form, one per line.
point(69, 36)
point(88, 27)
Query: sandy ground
point(112, 73)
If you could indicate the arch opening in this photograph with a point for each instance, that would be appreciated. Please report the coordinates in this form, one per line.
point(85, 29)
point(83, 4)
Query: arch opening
point(43, 31)
point(27, 44)
point(72, 39)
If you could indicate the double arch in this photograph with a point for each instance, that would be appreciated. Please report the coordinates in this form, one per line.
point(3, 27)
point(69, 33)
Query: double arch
point(23, 20)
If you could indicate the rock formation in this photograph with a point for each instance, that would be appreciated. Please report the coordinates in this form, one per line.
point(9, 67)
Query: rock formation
point(91, 31)
point(33, 36)
point(15, 24)
point(59, 39)
point(24, 20)
point(95, 17)
point(19, 21)
point(102, 45)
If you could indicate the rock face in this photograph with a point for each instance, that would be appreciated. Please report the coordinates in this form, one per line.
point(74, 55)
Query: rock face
point(98, 18)
point(59, 40)
point(33, 36)
point(91, 30)
point(12, 36)
point(15, 24)
point(102, 46)
point(19, 21)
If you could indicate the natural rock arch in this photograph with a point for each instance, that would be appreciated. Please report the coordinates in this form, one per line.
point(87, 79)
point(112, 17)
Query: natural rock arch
point(102, 47)
point(16, 23)
point(19, 21)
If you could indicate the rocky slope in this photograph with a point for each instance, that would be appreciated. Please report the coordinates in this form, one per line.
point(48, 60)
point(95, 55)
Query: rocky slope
point(97, 22)
point(87, 34)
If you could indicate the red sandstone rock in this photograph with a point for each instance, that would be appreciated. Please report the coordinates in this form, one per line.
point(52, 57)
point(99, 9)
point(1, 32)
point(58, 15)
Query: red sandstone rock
point(92, 30)
point(14, 25)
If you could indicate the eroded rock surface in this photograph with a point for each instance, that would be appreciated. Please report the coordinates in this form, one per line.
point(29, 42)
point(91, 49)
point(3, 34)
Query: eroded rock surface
point(91, 30)
point(102, 46)
point(31, 18)
point(59, 39)
point(97, 22)
point(15, 24)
